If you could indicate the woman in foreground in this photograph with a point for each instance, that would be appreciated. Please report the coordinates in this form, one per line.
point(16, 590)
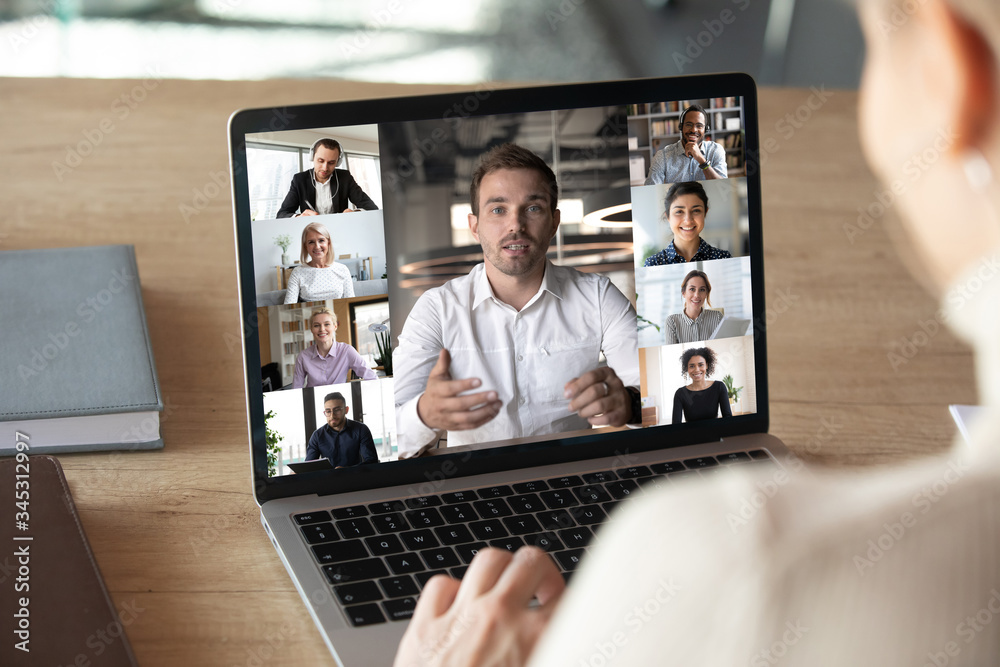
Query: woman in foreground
point(833, 569)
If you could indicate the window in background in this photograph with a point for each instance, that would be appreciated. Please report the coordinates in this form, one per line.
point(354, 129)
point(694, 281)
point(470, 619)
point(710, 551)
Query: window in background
point(270, 170)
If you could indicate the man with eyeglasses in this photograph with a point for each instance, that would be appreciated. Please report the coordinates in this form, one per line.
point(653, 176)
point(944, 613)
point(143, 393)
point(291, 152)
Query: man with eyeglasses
point(344, 442)
point(691, 158)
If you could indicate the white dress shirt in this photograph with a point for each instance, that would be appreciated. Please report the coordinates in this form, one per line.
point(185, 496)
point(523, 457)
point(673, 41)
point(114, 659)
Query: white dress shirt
point(891, 567)
point(526, 357)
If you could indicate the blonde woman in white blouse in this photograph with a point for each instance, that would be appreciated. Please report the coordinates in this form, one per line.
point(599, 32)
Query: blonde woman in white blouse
point(319, 277)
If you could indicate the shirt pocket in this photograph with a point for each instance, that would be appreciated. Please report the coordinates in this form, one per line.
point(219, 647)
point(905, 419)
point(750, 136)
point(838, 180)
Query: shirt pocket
point(559, 361)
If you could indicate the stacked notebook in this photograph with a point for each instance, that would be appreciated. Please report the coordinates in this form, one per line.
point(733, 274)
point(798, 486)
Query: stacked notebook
point(75, 353)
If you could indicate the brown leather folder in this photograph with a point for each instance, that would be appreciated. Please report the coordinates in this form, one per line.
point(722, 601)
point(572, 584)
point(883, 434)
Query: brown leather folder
point(53, 601)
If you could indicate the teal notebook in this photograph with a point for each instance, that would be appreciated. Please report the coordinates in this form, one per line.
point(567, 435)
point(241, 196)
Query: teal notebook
point(75, 358)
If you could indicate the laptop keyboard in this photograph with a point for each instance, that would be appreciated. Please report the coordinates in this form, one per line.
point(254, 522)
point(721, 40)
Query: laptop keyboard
point(378, 557)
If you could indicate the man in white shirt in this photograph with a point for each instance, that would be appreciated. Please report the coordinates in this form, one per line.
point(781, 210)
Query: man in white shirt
point(525, 334)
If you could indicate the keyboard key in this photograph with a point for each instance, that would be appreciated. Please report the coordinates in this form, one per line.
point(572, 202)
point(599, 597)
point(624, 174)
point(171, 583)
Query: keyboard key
point(600, 477)
point(419, 539)
point(590, 494)
point(701, 462)
point(490, 509)
point(576, 537)
point(569, 559)
point(355, 570)
point(460, 513)
point(459, 497)
point(390, 523)
point(351, 528)
point(364, 614)
point(533, 486)
point(664, 468)
point(734, 457)
point(558, 498)
point(526, 503)
point(338, 552)
point(401, 609)
point(404, 563)
point(609, 507)
point(397, 587)
point(554, 519)
point(759, 455)
point(441, 557)
point(511, 544)
point(565, 482)
point(468, 551)
point(422, 501)
point(352, 512)
point(488, 529)
point(423, 577)
point(458, 572)
point(386, 507)
point(588, 515)
point(544, 541)
point(312, 517)
point(451, 535)
point(383, 545)
point(425, 518)
point(654, 482)
point(362, 591)
point(634, 471)
point(320, 532)
point(522, 525)
point(495, 492)
point(622, 489)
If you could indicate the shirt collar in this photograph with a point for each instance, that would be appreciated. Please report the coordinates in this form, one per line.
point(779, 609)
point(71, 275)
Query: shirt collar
point(551, 283)
point(672, 253)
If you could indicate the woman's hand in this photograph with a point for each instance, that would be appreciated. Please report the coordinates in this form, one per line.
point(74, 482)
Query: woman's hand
point(486, 619)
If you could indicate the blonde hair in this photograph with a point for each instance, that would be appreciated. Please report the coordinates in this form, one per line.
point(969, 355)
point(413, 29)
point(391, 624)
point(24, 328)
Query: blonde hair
point(320, 229)
point(323, 311)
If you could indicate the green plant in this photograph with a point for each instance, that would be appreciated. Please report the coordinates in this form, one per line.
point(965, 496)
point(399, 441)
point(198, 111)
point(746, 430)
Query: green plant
point(384, 356)
point(645, 324)
point(272, 438)
point(734, 392)
point(283, 240)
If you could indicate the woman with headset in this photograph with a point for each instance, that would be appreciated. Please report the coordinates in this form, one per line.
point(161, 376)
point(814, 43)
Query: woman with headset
point(324, 188)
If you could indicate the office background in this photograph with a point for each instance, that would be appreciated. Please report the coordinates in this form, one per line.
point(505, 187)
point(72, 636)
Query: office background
point(779, 42)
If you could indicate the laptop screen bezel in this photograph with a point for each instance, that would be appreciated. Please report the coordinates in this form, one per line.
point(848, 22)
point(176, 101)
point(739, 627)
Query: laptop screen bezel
point(418, 472)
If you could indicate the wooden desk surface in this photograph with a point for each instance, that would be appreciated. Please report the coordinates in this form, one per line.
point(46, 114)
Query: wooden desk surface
point(176, 533)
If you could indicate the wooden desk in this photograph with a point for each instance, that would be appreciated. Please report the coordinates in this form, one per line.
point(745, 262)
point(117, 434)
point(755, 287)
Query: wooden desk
point(177, 532)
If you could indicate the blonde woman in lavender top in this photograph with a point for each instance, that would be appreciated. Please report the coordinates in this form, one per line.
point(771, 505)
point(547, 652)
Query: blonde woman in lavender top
point(318, 278)
point(327, 361)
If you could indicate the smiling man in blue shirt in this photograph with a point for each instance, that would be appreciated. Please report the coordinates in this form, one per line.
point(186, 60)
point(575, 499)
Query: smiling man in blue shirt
point(343, 441)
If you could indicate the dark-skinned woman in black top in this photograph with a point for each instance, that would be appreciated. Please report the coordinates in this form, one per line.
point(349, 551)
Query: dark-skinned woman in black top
point(703, 398)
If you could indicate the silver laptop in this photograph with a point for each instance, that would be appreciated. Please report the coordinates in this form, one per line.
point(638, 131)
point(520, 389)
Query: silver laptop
point(354, 240)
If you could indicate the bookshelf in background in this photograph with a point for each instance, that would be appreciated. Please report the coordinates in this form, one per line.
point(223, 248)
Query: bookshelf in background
point(653, 125)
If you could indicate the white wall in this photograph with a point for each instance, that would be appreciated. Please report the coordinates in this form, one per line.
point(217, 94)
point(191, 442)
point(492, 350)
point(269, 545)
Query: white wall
point(360, 233)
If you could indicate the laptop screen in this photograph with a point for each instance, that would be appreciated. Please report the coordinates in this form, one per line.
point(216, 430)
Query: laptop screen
point(579, 265)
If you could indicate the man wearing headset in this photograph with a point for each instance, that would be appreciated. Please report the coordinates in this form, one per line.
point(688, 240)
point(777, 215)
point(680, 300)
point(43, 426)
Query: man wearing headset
point(324, 188)
point(691, 158)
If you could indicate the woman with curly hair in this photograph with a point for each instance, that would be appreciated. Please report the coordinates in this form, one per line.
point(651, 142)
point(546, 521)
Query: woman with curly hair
point(703, 398)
